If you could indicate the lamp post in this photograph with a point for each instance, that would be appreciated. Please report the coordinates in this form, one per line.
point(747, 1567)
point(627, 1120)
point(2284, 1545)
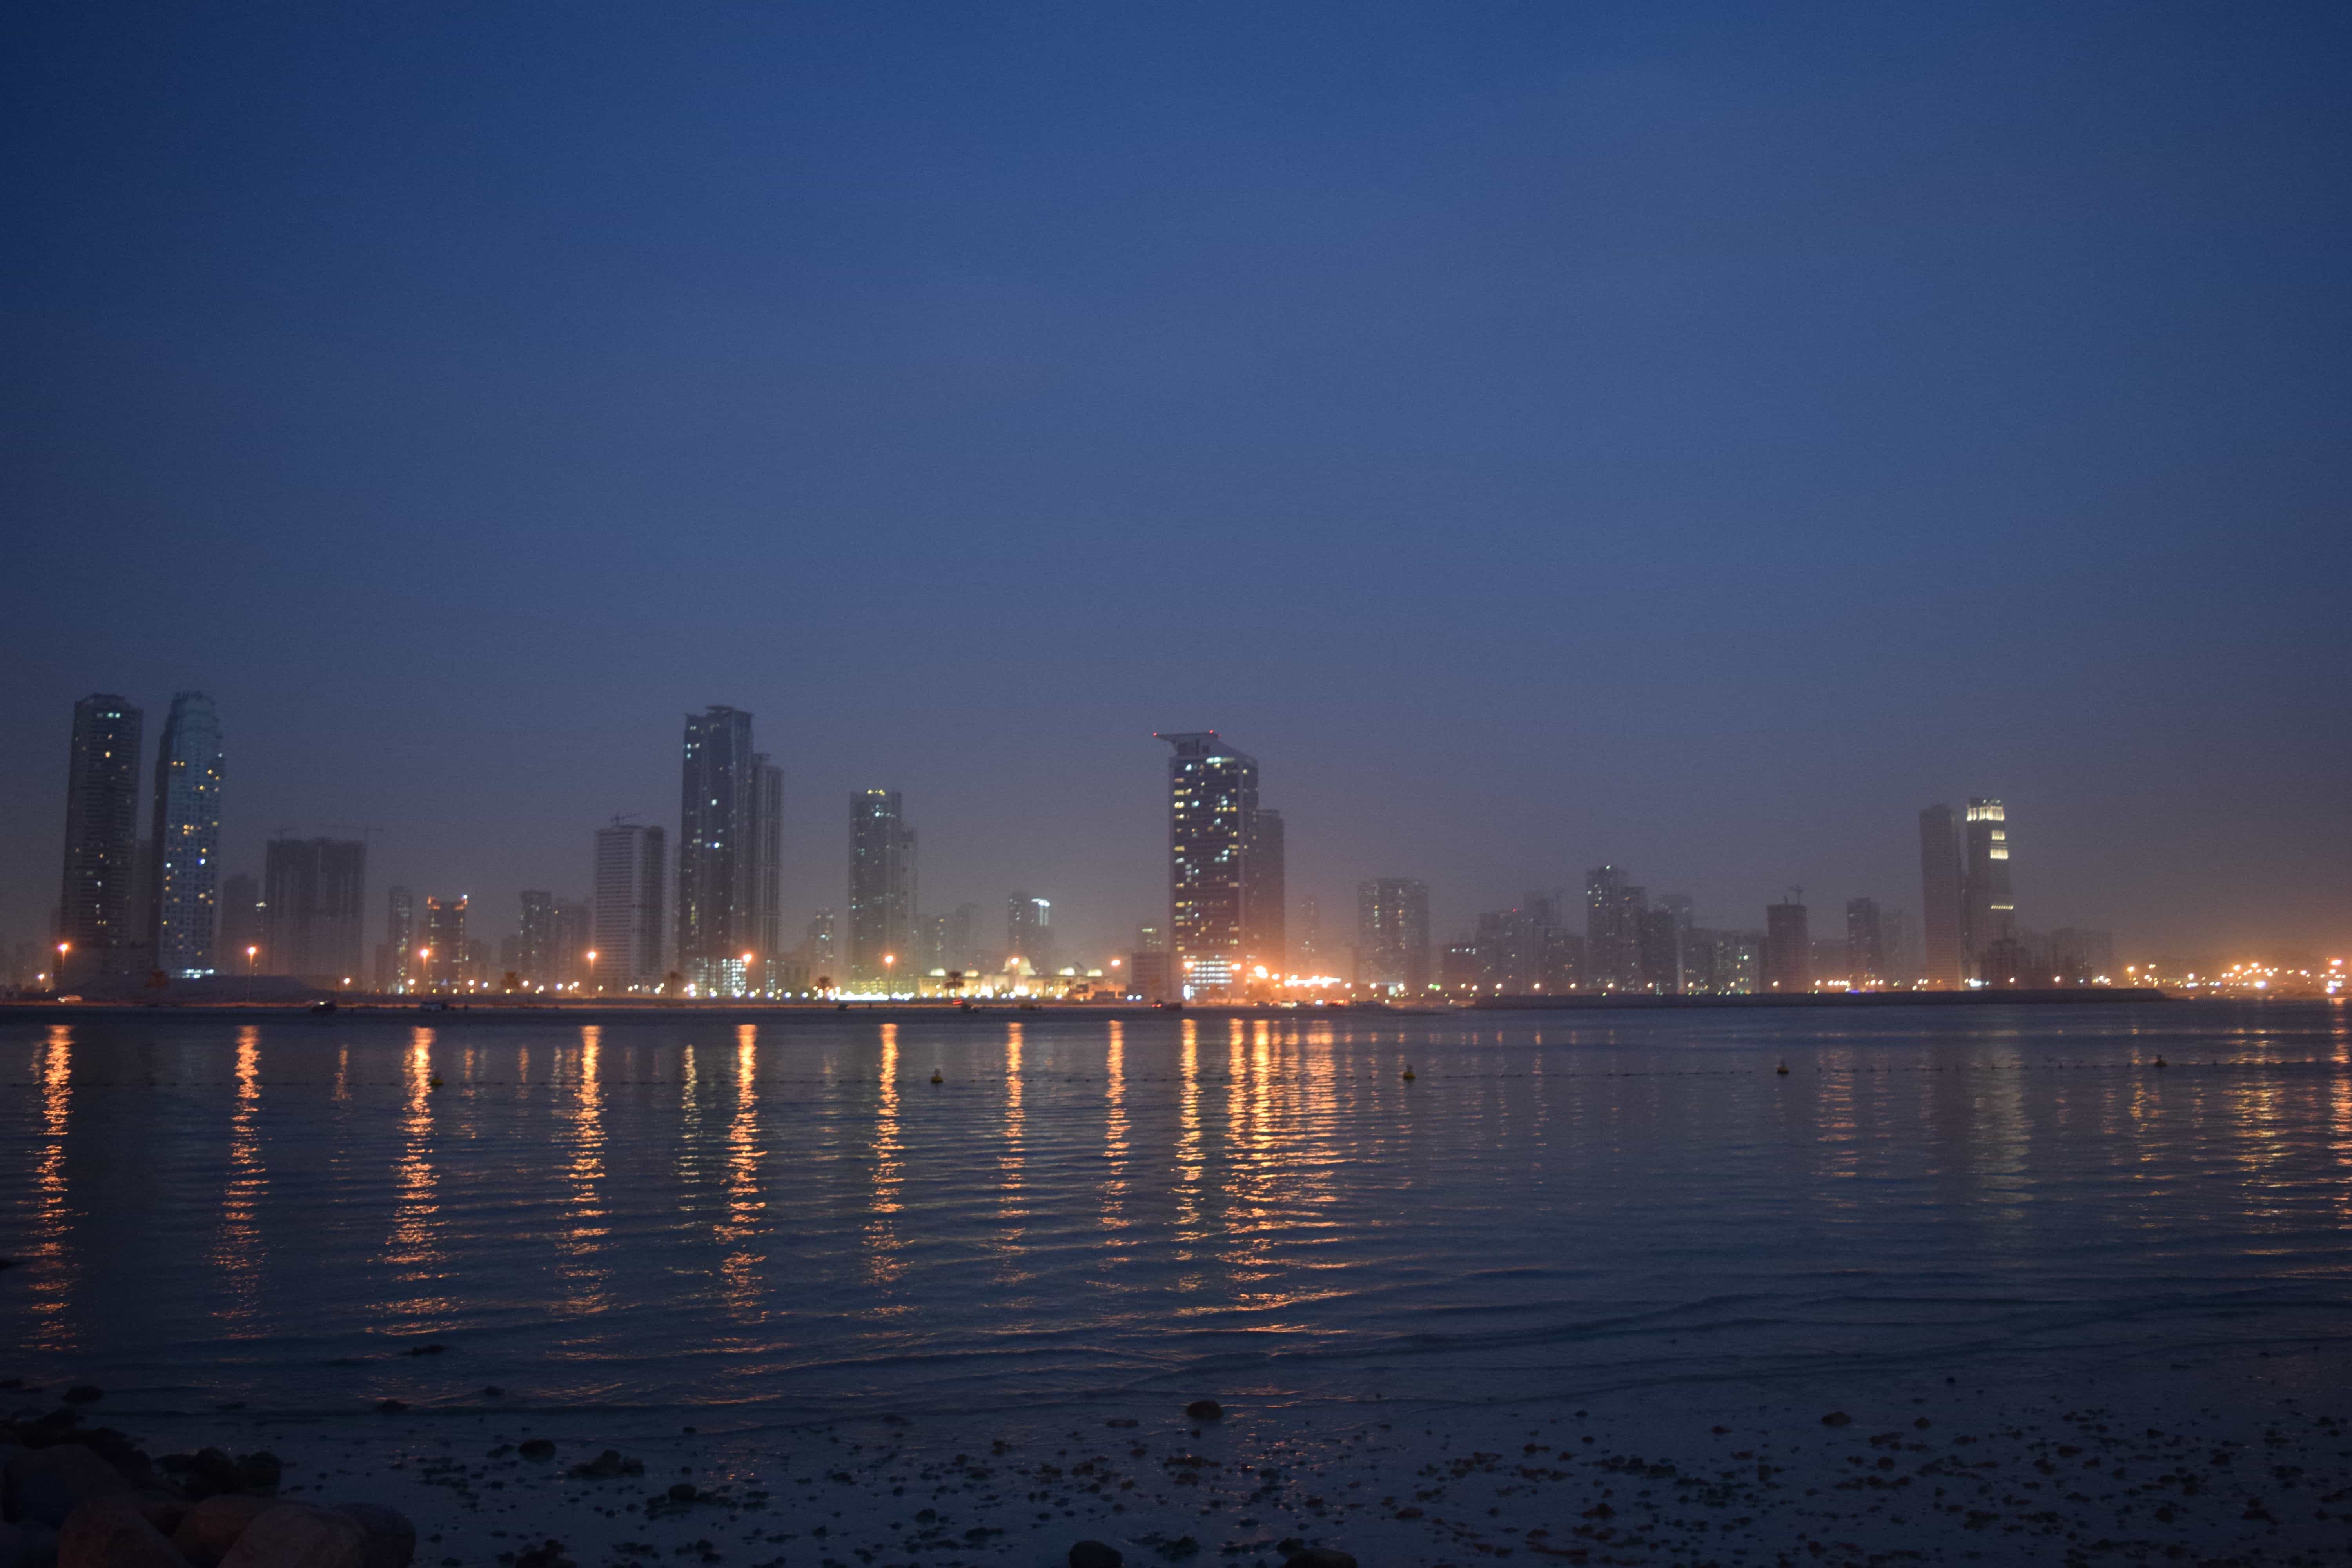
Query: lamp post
point(747, 977)
point(592, 973)
point(251, 955)
point(58, 980)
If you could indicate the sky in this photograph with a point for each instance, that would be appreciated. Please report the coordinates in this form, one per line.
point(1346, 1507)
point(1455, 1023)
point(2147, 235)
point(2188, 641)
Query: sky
point(1693, 437)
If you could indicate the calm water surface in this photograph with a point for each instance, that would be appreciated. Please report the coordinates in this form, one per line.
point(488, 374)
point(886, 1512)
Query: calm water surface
point(665, 1213)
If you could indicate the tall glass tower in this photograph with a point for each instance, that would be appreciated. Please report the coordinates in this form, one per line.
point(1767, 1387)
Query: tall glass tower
point(1987, 908)
point(184, 903)
point(881, 892)
point(101, 841)
point(1212, 807)
point(720, 846)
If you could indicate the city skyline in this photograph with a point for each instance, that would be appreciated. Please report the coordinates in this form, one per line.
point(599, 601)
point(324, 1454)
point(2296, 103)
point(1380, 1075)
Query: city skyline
point(311, 903)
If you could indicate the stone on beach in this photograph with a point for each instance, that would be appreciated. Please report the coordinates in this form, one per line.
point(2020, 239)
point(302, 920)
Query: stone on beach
point(1094, 1554)
point(536, 1449)
point(1205, 1410)
point(113, 1531)
point(389, 1539)
point(608, 1464)
point(213, 1526)
point(1319, 1557)
point(297, 1535)
point(45, 1485)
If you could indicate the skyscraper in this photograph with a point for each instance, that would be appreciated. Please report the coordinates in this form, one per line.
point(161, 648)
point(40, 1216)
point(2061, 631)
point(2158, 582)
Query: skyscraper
point(1613, 909)
point(1941, 943)
point(448, 955)
point(1029, 931)
point(1987, 909)
point(535, 958)
point(1865, 944)
point(719, 845)
point(766, 936)
point(183, 906)
point(1788, 948)
point(1392, 934)
point(1307, 951)
point(397, 966)
point(625, 922)
point(1266, 894)
point(101, 843)
point(1662, 933)
point(313, 909)
point(1225, 871)
point(881, 889)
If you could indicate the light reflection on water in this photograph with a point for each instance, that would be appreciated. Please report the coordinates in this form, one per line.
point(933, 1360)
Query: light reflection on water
point(670, 1212)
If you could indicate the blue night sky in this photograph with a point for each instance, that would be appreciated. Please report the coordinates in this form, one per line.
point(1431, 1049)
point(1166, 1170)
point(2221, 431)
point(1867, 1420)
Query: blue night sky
point(1690, 436)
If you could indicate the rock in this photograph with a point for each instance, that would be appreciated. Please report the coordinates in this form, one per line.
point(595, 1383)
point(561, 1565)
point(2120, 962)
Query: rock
point(493, 1391)
point(1094, 1554)
point(84, 1393)
point(213, 1526)
point(391, 1540)
point(549, 1555)
point(536, 1449)
point(1205, 1410)
point(297, 1535)
point(1837, 1418)
point(260, 1471)
point(609, 1464)
point(1319, 1557)
point(390, 1406)
point(28, 1546)
point(164, 1510)
point(683, 1491)
point(44, 1485)
point(110, 1532)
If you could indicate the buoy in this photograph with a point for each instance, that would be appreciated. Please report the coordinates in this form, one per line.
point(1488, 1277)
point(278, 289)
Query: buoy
point(1780, 1071)
point(935, 1078)
point(1408, 1072)
point(434, 1081)
point(2161, 1062)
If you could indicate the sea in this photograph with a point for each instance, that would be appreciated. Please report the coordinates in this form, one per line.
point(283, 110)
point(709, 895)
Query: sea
point(825, 1215)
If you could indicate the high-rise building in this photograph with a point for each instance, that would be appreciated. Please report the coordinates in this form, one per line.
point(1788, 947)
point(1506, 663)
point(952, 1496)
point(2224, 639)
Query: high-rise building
point(963, 941)
point(1029, 931)
point(1306, 953)
point(575, 923)
point(822, 949)
point(1147, 975)
point(881, 889)
point(625, 927)
point(1942, 947)
point(767, 926)
point(182, 895)
point(719, 842)
point(1266, 941)
point(1392, 934)
point(1722, 963)
point(1661, 952)
point(449, 956)
point(1613, 908)
point(313, 909)
point(534, 948)
point(101, 844)
point(399, 966)
point(1865, 942)
point(1895, 948)
point(1225, 869)
point(1788, 948)
point(1987, 909)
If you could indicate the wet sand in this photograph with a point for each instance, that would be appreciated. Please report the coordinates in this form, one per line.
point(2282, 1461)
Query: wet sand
point(2243, 1458)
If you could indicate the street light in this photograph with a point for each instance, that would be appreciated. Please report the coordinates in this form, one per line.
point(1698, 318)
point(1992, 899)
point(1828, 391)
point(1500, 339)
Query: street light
point(251, 954)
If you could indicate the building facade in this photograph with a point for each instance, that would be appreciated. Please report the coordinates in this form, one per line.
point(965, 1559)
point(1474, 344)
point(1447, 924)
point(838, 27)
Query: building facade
point(1942, 946)
point(1987, 908)
point(1788, 948)
point(313, 894)
point(449, 958)
point(1613, 908)
point(1865, 943)
point(1393, 935)
point(96, 905)
point(1029, 931)
point(881, 892)
point(183, 898)
point(627, 926)
point(720, 848)
point(1226, 878)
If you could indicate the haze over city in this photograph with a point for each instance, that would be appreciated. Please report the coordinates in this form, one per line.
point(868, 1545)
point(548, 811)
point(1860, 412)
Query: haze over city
point(1692, 439)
